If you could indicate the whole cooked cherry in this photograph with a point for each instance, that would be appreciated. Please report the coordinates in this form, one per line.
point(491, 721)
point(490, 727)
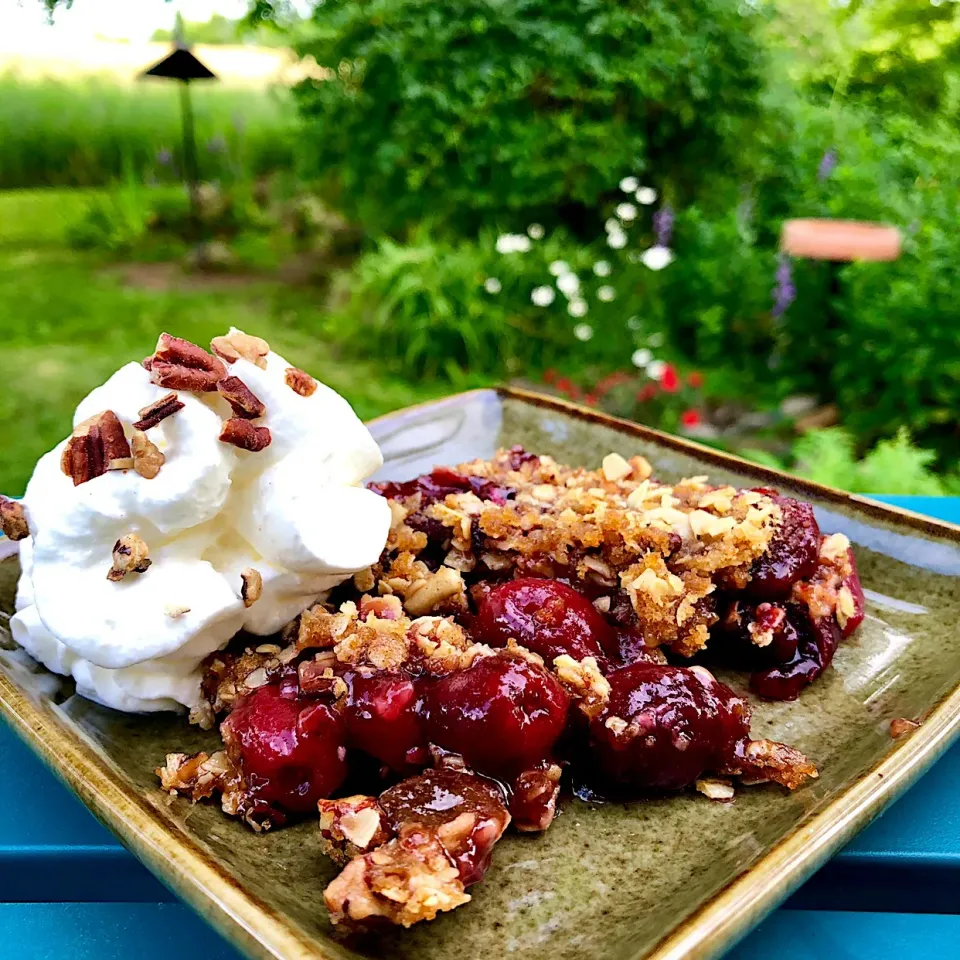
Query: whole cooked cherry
point(791, 554)
point(663, 727)
point(818, 641)
point(291, 752)
point(546, 617)
point(383, 719)
point(435, 799)
point(503, 714)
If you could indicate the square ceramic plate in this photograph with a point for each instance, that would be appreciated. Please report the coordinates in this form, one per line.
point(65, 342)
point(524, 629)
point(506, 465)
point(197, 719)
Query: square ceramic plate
point(675, 877)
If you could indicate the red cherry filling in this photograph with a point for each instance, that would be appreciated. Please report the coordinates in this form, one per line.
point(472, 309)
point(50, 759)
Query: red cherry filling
point(466, 812)
point(757, 635)
point(544, 616)
point(503, 714)
point(791, 554)
point(818, 640)
point(383, 719)
point(435, 486)
point(663, 727)
point(291, 753)
point(852, 583)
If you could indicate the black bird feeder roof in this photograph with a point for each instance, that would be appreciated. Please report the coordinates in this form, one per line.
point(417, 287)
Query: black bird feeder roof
point(181, 64)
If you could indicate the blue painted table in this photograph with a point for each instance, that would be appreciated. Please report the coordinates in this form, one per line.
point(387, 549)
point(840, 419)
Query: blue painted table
point(70, 891)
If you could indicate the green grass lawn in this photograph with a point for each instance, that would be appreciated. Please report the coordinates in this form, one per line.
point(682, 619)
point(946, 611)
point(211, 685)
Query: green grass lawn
point(68, 320)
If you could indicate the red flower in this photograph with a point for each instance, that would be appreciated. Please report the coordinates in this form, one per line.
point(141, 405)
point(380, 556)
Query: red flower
point(549, 375)
point(695, 379)
point(591, 399)
point(691, 418)
point(564, 385)
point(647, 393)
point(611, 380)
point(669, 379)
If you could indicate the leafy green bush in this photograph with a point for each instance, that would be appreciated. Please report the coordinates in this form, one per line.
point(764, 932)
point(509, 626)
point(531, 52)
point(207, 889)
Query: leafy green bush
point(893, 466)
point(524, 109)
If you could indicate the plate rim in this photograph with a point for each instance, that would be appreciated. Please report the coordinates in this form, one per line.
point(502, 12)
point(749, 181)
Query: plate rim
point(715, 925)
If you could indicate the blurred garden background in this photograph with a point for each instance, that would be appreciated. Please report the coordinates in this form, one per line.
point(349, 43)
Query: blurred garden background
point(586, 196)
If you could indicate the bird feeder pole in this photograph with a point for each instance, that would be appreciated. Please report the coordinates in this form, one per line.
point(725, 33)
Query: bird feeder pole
point(181, 65)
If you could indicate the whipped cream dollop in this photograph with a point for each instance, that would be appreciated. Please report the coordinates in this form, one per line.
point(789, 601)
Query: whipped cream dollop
point(295, 512)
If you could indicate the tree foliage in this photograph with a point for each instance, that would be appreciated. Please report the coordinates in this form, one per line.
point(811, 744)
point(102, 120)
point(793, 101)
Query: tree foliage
point(524, 108)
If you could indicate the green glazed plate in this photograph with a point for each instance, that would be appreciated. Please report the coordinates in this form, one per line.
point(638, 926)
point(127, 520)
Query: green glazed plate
point(674, 877)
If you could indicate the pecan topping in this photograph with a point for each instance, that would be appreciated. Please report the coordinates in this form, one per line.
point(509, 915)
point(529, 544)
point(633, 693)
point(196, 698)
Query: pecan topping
point(245, 402)
point(243, 434)
point(252, 586)
point(158, 410)
point(130, 555)
point(182, 365)
point(901, 725)
point(13, 521)
point(147, 458)
point(238, 344)
point(300, 382)
point(96, 446)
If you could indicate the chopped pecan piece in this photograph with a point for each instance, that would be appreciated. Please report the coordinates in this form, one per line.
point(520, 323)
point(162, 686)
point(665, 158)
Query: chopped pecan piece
point(96, 446)
point(157, 411)
point(147, 458)
point(762, 760)
point(300, 382)
point(316, 678)
point(243, 434)
point(901, 725)
point(13, 521)
point(252, 586)
point(406, 880)
point(130, 555)
point(182, 365)
point(351, 826)
point(244, 401)
point(237, 344)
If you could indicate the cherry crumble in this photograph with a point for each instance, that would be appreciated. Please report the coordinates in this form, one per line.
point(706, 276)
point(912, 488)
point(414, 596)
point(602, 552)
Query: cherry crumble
point(527, 623)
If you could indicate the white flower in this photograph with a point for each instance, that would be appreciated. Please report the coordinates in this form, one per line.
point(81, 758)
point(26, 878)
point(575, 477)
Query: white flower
point(492, 285)
point(655, 369)
point(606, 293)
point(559, 267)
point(542, 296)
point(616, 241)
point(513, 243)
point(577, 308)
point(641, 357)
point(602, 268)
point(635, 323)
point(535, 231)
point(583, 331)
point(613, 225)
point(658, 257)
point(568, 284)
point(626, 211)
point(629, 184)
point(646, 196)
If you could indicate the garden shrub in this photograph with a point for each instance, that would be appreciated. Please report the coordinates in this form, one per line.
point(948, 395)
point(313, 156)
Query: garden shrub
point(522, 110)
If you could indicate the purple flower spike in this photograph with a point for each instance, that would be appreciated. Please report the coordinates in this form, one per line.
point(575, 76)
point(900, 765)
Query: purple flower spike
point(663, 225)
point(828, 164)
point(164, 157)
point(784, 292)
